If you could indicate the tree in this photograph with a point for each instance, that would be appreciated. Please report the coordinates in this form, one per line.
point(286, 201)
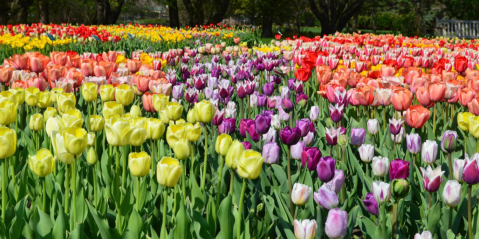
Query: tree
point(201, 11)
point(43, 11)
point(334, 14)
point(173, 14)
point(462, 9)
point(107, 11)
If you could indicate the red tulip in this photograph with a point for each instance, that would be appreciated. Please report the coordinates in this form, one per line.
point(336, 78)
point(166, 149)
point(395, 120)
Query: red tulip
point(416, 116)
point(460, 63)
point(302, 74)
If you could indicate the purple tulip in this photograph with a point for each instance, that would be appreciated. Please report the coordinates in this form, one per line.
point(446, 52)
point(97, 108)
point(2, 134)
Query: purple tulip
point(336, 223)
point(283, 116)
point(200, 82)
point(244, 126)
point(337, 182)
point(177, 92)
point(395, 126)
point(223, 89)
point(371, 204)
point(218, 118)
point(246, 144)
point(413, 142)
point(190, 95)
point(290, 136)
point(262, 123)
point(332, 136)
point(304, 125)
point(227, 126)
point(449, 140)
point(272, 101)
point(297, 150)
point(398, 169)
point(314, 113)
point(287, 105)
point(253, 134)
point(284, 92)
point(241, 90)
point(308, 139)
point(341, 130)
point(301, 97)
point(262, 99)
point(271, 153)
point(291, 84)
point(342, 97)
point(358, 136)
point(432, 179)
point(310, 158)
point(326, 197)
point(268, 89)
point(325, 168)
point(336, 112)
point(298, 86)
point(470, 175)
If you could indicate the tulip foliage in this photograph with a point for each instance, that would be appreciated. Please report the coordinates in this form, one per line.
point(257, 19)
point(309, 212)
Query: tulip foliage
point(345, 136)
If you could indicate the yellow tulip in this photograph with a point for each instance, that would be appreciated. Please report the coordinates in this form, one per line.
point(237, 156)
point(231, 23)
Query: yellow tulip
point(205, 111)
point(155, 129)
point(60, 149)
point(76, 140)
point(175, 133)
point(192, 116)
point(42, 163)
point(72, 118)
point(8, 112)
point(96, 123)
point(118, 131)
point(124, 94)
point(474, 126)
point(223, 143)
point(31, 96)
point(139, 164)
point(160, 101)
point(135, 111)
point(8, 142)
point(182, 149)
point(174, 111)
point(463, 120)
point(178, 122)
point(7, 95)
point(36, 122)
point(164, 117)
point(66, 101)
point(193, 132)
point(234, 153)
point(54, 124)
point(19, 95)
point(55, 93)
point(91, 157)
point(89, 91)
point(91, 139)
point(49, 112)
point(138, 136)
point(44, 99)
point(107, 93)
point(168, 171)
point(112, 108)
point(249, 164)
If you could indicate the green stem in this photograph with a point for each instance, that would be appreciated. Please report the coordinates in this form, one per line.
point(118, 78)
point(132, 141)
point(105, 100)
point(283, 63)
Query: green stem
point(450, 217)
point(44, 206)
point(220, 175)
point(240, 209)
point(67, 189)
point(123, 159)
point(15, 188)
point(174, 199)
point(4, 189)
point(449, 155)
point(95, 187)
point(477, 145)
point(231, 181)
point(430, 200)
point(343, 188)
point(206, 159)
point(469, 210)
point(163, 224)
point(291, 208)
point(138, 194)
point(434, 120)
point(394, 220)
point(74, 192)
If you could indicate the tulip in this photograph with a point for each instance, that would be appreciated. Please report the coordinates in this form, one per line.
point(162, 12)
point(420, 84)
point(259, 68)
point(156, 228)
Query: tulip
point(314, 113)
point(399, 137)
point(371, 204)
point(111, 109)
point(417, 116)
point(413, 143)
point(76, 140)
point(305, 229)
point(366, 152)
point(471, 170)
point(325, 168)
point(297, 150)
point(193, 132)
point(395, 126)
point(326, 197)
point(429, 152)
point(124, 94)
point(401, 99)
point(118, 131)
point(36, 122)
point(452, 193)
point(65, 102)
point(60, 146)
point(249, 164)
point(474, 126)
point(336, 112)
point(270, 153)
point(432, 179)
point(19, 95)
point(358, 136)
point(380, 166)
point(458, 169)
point(449, 141)
point(44, 99)
point(139, 164)
point(31, 96)
point(262, 123)
point(135, 111)
point(336, 223)
point(290, 136)
point(373, 126)
point(97, 123)
point(138, 132)
point(463, 120)
point(399, 169)
point(234, 153)
point(332, 136)
point(381, 191)
point(223, 143)
point(305, 126)
point(174, 111)
point(400, 188)
point(8, 137)
point(89, 91)
point(300, 194)
point(107, 93)
point(337, 182)
point(310, 158)
point(168, 171)
point(91, 157)
point(91, 139)
point(42, 163)
point(8, 112)
point(205, 110)
point(423, 235)
point(49, 113)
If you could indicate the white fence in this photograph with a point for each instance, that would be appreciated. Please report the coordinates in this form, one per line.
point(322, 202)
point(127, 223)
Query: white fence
point(457, 28)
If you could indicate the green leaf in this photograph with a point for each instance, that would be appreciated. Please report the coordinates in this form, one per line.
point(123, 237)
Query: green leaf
point(41, 224)
point(100, 223)
point(226, 218)
point(433, 217)
point(60, 227)
point(17, 226)
point(135, 225)
point(182, 228)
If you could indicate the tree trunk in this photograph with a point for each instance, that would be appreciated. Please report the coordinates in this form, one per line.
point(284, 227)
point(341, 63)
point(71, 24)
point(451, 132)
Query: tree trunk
point(100, 12)
point(220, 11)
point(22, 16)
point(43, 11)
point(173, 14)
point(267, 27)
point(114, 13)
point(374, 19)
point(355, 23)
point(191, 11)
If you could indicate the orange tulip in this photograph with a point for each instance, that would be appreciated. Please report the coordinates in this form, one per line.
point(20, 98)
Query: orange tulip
point(416, 116)
point(410, 72)
point(5, 74)
point(37, 62)
point(472, 74)
point(388, 70)
point(147, 99)
point(473, 106)
point(110, 56)
point(141, 82)
point(365, 95)
point(401, 98)
point(354, 77)
point(437, 91)
point(473, 83)
point(466, 95)
point(417, 82)
point(53, 73)
point(59, 58)
point(75, 75)
point(19, 62)
point(87, 67)
point(449, 75)
point(73, 61)
point(324, 74)
point(104, 68)
point(133, 65)
point(422, 95)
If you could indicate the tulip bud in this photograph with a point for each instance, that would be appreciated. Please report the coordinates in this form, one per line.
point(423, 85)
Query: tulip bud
point(366, 152)
point(205, 111)
point(395, 126)
point(314, 113)
point(423, 235)
point(49, 113)
point(336, 223)
point(452, 193)
point(182, 149)
point(36, 122)
point(124, 94)
point(381, 191)
point(135, 111)
point(97, 123)
point(429, 152)
point(432, 179)
point(300, 194)
point(193, 132)
point(400, 188)
point(449, 141)
point(471, 169)
point(326, 168)
point(174, 111)
point(343, 141)
point(371, 204)
point(358, 136)
point(271, 153)
point(463, 120)
point(297, 150)
point(44, 99)
point(168, 171)
point(89, 91)
point(458, 168)
point(413, 143)
point(380, 166)
point(223, 143)
point(398, 169)
point(250, 164)
point(138, 134)
point(326, 197)
point(290, 136)
point(42, 163)
point(91, 156)
point(305, 229)
point(234, 153)
point(373, 126)
point(398, 138)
